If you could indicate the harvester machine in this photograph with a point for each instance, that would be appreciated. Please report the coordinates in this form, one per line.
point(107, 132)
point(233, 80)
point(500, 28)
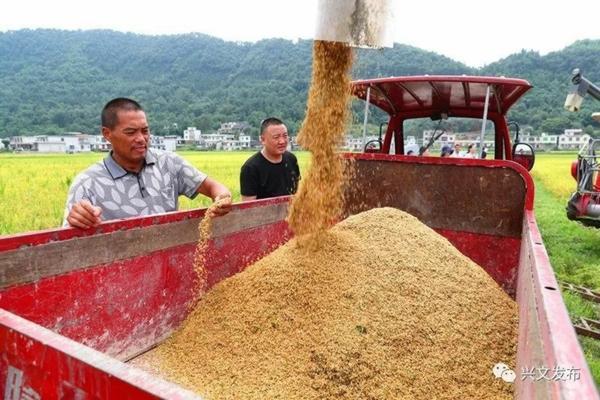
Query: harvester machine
point(584, 203)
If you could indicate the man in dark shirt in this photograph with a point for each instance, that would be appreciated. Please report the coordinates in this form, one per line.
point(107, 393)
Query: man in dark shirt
point(272, 171)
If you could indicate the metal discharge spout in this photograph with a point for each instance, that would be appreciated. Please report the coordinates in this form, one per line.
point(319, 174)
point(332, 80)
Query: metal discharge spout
point(360, 23)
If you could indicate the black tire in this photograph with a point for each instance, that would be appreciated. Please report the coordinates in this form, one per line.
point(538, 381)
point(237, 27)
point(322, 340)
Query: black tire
point(571, 206)
point(592, 223)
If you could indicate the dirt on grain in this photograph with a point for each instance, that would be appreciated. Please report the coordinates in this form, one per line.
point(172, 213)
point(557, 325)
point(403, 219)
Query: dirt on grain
point(385, 308)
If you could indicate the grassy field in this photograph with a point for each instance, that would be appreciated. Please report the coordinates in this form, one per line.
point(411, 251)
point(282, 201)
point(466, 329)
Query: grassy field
point(33, 190)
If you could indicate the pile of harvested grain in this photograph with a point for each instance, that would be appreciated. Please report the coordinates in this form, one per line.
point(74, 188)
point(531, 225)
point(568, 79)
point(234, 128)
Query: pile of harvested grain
point(384, 309)
point(319, 199)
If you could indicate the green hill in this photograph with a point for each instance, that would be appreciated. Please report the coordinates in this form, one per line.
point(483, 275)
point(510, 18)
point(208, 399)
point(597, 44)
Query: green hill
point(53, 81)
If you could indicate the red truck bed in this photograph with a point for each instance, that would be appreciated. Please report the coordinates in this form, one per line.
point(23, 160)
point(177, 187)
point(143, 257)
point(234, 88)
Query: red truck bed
point(75, 305)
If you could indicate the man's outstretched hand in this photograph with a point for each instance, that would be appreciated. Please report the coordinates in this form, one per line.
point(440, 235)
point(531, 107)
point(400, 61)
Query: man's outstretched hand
point(84, 215)
point(222, 205)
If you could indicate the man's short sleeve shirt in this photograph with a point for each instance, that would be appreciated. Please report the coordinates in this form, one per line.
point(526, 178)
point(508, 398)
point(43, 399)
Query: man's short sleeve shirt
point(122, 194)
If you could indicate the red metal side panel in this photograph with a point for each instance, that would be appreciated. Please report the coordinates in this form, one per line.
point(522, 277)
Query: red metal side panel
point(547, 339)
point(499, 256)
point(127, 306)
point(464, 162)
point(109, 307)
point(36, 363)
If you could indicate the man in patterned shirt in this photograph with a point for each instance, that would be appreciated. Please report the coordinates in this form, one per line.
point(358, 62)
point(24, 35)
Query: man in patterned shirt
point(134, 180)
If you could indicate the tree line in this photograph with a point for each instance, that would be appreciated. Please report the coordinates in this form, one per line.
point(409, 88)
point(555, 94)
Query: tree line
point(54, 81)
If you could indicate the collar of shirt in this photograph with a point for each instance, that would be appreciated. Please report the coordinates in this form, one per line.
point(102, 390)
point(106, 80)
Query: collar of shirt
point(116, 171)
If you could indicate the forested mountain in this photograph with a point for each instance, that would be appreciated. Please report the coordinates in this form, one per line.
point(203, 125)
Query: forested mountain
point(53, 81)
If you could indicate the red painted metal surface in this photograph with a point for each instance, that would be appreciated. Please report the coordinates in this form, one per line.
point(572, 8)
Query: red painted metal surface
point(498, 256)
point(409, 97)
point(441, 94)
point(136, 302)
point(130, 304)
point(120, 308)
point(36, 363)
point(455, 161)
point(547, 338)
point(10, 242)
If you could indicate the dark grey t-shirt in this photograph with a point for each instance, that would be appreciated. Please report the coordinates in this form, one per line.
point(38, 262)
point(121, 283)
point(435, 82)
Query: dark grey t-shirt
point(122, 194)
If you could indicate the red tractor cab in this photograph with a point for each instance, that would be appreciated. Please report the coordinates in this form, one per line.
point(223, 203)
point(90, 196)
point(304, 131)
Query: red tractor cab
point(440, 97)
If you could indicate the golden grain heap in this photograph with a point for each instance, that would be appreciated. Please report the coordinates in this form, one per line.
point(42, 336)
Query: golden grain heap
point(319, 199)
point(385, 308)
point(381, 307)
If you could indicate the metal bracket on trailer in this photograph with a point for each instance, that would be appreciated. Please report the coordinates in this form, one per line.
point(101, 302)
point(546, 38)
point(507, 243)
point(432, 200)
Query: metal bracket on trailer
point(587, 327)
point(584, 326)
point(584, 292)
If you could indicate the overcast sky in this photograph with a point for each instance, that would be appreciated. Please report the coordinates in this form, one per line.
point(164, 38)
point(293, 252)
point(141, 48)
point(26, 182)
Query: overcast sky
point(470, 31)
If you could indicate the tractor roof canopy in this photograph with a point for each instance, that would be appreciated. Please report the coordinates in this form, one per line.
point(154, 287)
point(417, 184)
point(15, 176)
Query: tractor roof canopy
point(442, 96)
point(457, 96)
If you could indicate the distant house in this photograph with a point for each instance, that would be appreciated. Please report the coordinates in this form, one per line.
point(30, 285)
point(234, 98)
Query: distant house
point(74, 142)
point(447, 138)
point(231, 145)
point(168, 143)
point(69, 143)
point(570, 139)
point(245, 141)
point(53, 144)
point(192, 135)
point(213, 141)
point(543, 141)
point(233, 128)
point(22, 143)
point(464, 139)
point(99, 143)
point(157, 142)
point(356, 144)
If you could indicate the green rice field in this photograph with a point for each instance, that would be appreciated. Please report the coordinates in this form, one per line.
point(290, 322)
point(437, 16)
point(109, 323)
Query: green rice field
point(33, 187)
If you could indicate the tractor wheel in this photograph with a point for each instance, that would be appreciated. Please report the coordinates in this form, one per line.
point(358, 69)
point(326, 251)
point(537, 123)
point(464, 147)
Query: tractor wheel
point(592, 223)
point(572, 206)
point(572, 213)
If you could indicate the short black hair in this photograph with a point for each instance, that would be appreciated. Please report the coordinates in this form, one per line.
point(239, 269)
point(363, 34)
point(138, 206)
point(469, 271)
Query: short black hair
point(109, 116)
point(267, 122)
